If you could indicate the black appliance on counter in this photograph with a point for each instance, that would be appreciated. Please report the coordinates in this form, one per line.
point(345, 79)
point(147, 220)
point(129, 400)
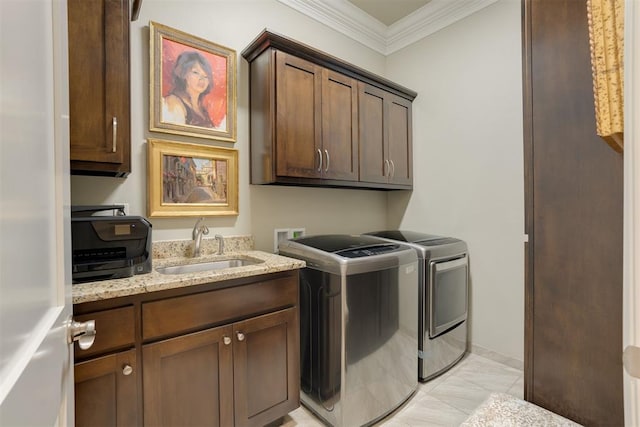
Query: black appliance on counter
point(108, 247)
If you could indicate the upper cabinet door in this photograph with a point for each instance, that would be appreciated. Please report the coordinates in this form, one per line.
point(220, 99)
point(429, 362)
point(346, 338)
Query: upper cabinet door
point(399, 148)
point(385, 137)
point(298, 120)
point(99, 99)
point(374, 165)
point(339, 126)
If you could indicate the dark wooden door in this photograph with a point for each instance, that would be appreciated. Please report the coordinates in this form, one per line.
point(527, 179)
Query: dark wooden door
point(574, 201)
point(106, 391)
point(339, 126)
point(266, 367)
point(188, 380)
point(298, 118)
point(99, 95)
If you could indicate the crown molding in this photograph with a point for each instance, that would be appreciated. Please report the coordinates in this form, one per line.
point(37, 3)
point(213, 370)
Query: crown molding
point(346, 18)
point(353, 22)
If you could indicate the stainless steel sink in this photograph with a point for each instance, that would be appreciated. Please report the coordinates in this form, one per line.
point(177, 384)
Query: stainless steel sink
point(207, 266)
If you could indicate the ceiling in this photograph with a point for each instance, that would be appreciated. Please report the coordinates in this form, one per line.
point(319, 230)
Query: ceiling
point(387, 25)
point(387, 11)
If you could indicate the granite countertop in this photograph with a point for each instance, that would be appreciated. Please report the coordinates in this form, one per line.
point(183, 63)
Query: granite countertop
point(178, 253)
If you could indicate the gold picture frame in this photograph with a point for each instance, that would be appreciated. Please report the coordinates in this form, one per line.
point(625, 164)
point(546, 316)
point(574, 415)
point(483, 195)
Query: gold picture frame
point(192, 85)
point(187, 179)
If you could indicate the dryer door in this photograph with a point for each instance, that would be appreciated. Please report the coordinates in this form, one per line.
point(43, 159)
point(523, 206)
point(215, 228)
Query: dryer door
point(447, 294)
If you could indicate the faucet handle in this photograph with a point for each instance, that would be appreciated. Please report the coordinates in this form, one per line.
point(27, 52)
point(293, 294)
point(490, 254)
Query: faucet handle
point(220, 240)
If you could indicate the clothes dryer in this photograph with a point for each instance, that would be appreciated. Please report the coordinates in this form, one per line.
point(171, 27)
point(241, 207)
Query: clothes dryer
point(443, 293)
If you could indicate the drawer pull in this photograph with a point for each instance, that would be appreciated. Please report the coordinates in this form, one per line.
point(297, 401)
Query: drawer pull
point(226, 340)
point(319, 160)
point(127, 370)
point(240, 336)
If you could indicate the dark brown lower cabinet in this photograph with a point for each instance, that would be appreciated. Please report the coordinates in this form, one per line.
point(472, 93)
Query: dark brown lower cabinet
point(198, 379)
point(209, 355)
point(106, 392)
point(266, 383)
point(188, 380)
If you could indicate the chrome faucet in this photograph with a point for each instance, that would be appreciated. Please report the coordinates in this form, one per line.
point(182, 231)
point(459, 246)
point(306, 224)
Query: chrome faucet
point(220, 240)
point(198, 231)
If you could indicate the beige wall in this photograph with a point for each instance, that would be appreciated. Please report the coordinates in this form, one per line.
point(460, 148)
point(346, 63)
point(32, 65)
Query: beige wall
point(468, 160)
point(235, 23)
point(467, 146)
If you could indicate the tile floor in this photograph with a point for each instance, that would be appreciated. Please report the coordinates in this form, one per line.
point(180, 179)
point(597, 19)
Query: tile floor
point(446, 400)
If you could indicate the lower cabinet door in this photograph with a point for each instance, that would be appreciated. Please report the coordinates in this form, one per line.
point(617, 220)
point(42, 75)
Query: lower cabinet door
point(188, 380)
point(266, 367)
point(106, 391)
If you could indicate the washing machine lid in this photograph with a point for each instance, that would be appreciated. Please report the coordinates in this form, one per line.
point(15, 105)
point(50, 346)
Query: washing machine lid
point(405, 236)
point(349, 246)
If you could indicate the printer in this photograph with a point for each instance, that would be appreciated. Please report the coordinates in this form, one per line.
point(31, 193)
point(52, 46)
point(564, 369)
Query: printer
point(108, 247)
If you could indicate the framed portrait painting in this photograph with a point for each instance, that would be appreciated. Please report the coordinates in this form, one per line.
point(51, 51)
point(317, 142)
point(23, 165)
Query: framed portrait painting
point(191, 179)
point(192, 85)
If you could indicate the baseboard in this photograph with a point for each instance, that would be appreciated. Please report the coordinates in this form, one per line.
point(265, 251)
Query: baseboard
point(497, 357)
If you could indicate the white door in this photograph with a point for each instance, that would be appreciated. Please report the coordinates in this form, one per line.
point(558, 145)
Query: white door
point(36, 370)
point(631, 296)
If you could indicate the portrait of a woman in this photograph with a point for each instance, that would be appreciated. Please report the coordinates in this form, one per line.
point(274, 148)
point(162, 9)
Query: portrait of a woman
point(192, 85)
point(192, 80)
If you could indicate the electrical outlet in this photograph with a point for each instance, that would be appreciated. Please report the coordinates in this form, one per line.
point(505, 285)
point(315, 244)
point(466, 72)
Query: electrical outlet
point(279, 235)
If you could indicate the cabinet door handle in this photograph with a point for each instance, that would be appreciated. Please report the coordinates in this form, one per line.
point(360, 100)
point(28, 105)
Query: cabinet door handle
point(240, 336)
point(127, 370)
point(393, 169)
point(326, 168)
point(114, 132)
point(319, 160)
point(386, 168)
point(226, 340)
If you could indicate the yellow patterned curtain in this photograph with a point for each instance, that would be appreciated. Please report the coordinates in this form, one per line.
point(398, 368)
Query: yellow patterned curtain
point(606, 39)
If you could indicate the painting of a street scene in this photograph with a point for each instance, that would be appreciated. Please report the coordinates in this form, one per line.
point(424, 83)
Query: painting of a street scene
point(194, 180)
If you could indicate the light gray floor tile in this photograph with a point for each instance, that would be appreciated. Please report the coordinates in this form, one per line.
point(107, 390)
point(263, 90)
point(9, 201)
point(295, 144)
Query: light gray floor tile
point(459, 393)
point(446, 400)
point(488, 374)
point(301, 417)
point(517, 389)
point(426, 410)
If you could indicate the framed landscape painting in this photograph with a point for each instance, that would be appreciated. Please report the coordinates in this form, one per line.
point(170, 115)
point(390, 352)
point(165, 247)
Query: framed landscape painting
point(192, 85)
point(191, 179)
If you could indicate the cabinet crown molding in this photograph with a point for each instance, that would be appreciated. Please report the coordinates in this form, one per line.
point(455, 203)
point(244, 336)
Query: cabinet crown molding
point(270, 39)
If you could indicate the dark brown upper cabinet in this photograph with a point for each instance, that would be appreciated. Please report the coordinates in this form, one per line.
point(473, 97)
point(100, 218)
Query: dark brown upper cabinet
point(314, 120)
point(385, 137)
point(99, 99)
point(317, 123)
